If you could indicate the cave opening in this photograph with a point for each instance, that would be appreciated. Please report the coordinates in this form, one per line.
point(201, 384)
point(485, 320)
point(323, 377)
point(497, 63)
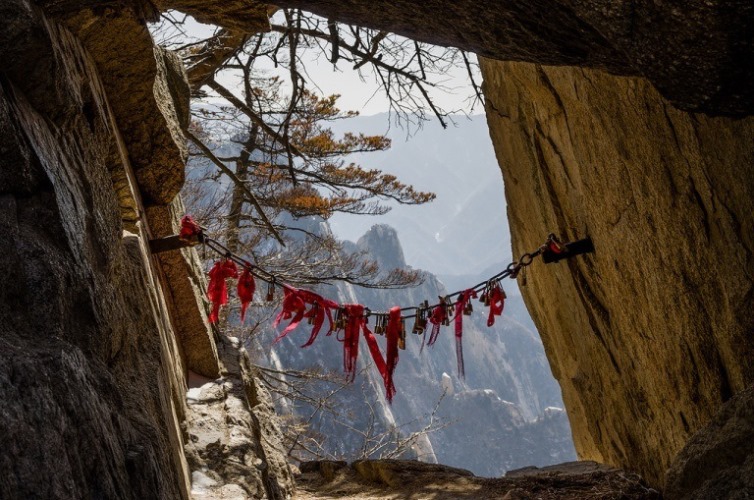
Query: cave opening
point(439, 143)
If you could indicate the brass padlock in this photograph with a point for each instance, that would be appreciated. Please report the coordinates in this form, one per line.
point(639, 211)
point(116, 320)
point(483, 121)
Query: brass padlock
point(313, 313)
point(402, 336)
point(340, 320)
point(344, 320)
point(420, 321)
point(379, 325)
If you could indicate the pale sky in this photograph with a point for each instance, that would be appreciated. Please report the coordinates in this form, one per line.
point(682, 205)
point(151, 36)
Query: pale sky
point(359, 91)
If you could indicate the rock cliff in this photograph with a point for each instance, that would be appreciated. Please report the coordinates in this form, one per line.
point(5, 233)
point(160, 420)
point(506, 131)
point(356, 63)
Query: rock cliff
point(652, 333)
point(97, 335)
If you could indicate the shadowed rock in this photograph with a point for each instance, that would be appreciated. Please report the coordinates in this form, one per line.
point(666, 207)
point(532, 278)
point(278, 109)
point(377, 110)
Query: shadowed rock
point(718, 461)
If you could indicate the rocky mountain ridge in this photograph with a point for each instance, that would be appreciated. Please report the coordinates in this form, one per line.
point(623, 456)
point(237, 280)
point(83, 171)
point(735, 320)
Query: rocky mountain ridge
point(464, 230)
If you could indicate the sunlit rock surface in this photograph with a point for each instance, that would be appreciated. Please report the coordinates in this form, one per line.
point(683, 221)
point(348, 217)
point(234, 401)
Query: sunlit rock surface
point(651, 334)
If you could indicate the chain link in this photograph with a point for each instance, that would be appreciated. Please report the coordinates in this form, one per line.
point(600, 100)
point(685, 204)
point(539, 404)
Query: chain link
point(511, 271)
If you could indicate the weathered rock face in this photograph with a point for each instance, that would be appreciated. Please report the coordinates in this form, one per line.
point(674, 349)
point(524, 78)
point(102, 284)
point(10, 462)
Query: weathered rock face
point(697, 55)
point(652, 333)
point(93, 362)
point(717, 462)
point(233, 446)
point(91, 380)
point(378, 479)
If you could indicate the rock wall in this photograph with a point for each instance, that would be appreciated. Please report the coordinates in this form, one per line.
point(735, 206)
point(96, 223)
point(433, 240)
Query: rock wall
point(717, 460)
point(92, 382)
point(97, 335)
point(698, 55)
point(234, 445)
point(649, 335)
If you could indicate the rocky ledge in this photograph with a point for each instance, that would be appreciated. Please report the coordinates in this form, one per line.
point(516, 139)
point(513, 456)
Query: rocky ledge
point(376, 479)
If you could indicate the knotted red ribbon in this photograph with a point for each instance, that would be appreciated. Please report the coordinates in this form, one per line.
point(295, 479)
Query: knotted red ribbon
point(294, 307)
point(189, 228)
point(392, 334)
point(354, 323)
point(463, 300)
point(438, 317)
point(320, 308)
point(217, 291)
point(246, 287)
point(496, 296)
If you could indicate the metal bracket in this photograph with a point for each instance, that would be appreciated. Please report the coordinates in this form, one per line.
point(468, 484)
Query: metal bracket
point(571, 249)
point(175, 242)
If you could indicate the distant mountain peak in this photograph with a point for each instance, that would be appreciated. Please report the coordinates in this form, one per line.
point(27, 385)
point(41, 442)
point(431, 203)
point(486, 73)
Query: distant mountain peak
point(382, 244)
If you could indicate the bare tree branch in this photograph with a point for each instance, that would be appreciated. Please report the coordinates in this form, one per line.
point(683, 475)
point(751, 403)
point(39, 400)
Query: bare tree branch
point(209, 154)
point(254, 117)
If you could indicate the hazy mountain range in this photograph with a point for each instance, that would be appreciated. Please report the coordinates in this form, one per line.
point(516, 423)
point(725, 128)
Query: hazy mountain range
point(465, 230)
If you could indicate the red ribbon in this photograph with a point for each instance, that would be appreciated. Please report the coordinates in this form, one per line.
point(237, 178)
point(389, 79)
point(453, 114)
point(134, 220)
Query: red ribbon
point(321, 307)
point(246, 287)
point(438, 317)
point(217, 291)
point(463, 300)
point(355, 322)
point(189, 228)
point(294, 305)
point(496, 296)
point(392, 335)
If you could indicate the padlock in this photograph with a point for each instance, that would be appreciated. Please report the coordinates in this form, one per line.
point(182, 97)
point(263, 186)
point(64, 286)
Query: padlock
point(313, 313)
point(379, 325)
point(344, 319)
point(402, 336)
point(417, 319)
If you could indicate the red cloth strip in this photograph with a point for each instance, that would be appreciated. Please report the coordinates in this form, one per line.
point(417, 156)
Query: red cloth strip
point(294, 305)
point(497, 303)
point(189, 228)
point(392, 335)
point(438, 316)
point(217, 290)
point(379, 361)
point(246, 287)
point(463, 299)
point(355, 321)
point(293, 309)
point(320, 308)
